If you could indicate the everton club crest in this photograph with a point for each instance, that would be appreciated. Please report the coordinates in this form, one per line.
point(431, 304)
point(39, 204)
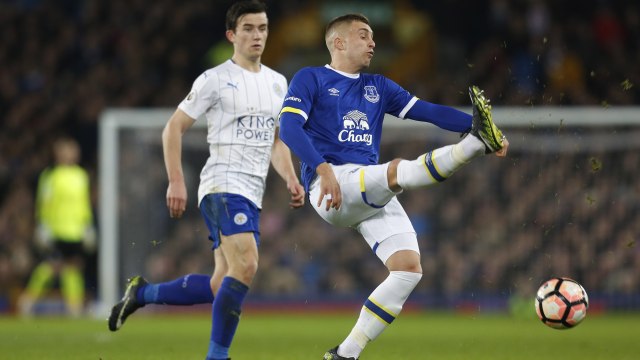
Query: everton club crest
point(371, 94)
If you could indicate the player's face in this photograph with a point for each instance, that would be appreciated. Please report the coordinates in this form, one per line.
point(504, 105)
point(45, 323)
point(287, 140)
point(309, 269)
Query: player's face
point(250, 35)
point(360, 44)
point(67, 152)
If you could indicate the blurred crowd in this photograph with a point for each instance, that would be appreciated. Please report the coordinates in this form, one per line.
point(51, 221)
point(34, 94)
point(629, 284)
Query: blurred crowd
point(493, 229)
point(63, 62)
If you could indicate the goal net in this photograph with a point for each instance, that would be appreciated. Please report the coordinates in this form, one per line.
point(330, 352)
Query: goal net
point(565, 202)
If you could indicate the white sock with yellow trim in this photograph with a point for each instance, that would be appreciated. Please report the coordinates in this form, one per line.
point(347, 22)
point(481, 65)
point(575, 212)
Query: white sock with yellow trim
point(380, 309)
point(437, 165)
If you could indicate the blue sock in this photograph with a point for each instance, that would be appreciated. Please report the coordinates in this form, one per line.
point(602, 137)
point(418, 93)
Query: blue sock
point(188, 290)
point(225, 317)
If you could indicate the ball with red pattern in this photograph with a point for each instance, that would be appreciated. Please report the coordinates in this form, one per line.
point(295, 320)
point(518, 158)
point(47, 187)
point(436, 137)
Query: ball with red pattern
point(561, 303)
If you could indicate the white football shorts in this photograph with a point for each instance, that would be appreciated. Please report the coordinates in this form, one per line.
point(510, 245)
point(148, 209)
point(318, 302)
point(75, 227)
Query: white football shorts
point(369, 206)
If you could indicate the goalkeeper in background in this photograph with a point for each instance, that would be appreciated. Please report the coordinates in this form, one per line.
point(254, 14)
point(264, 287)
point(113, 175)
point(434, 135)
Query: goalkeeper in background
point(64, 229)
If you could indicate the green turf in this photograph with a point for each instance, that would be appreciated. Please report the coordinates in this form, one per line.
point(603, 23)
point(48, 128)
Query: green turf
point(294, 337)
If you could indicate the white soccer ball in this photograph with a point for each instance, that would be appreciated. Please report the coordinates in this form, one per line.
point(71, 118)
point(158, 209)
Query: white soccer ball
point(561, 303)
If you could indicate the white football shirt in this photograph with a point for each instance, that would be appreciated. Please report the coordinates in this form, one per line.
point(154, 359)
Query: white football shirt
point(241, 108)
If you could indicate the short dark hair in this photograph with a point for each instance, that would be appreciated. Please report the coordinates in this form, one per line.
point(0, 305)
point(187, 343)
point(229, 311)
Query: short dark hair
point(240, 8)
point(348, 18)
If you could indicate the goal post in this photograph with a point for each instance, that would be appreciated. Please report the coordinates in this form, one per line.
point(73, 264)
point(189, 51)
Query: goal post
point(133, 136)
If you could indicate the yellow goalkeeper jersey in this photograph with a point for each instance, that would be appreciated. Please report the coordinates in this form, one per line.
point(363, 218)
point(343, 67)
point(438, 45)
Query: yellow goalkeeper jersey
point(63, 202)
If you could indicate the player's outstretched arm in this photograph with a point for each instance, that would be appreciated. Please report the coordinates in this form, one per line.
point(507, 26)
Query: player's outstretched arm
point(172, 150)
point(444, 117)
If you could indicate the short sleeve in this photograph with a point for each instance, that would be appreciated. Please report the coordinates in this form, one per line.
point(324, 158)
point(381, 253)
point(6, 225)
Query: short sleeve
point(204, 94)
point(300, 95)
point(398, 99)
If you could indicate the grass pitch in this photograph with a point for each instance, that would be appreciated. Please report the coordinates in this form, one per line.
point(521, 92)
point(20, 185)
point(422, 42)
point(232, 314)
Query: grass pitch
point(275, 336)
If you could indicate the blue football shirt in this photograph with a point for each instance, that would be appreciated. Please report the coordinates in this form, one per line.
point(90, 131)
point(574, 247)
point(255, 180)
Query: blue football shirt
point(344, 113)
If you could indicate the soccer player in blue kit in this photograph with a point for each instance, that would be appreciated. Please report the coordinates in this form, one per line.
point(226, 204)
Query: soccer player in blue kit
point(332, 120)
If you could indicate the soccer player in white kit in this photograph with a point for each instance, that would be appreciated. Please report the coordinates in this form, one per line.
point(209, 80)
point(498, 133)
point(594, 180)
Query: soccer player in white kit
point(240, 100)
point(332, 119)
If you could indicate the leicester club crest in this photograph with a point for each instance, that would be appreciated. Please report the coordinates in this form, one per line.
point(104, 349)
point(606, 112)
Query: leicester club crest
point(278, 90)
point(371, 94)
point(240, 219)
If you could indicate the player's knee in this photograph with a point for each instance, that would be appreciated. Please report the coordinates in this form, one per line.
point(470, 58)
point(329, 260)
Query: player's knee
point(412, 267)
point(214, 283)
point(251, 267)
point(405, 260)
point(247, 269)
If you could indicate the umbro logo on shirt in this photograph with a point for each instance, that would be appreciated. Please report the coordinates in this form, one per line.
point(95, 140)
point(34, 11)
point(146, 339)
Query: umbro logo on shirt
point(334, 92)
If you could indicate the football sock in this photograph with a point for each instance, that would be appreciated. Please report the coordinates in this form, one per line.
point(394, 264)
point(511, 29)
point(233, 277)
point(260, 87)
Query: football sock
point(471, 147)
point(40, 280)
point(225, 316)
point(72, 286)
point(188, 290)
point(437, 165)
point(381, 308)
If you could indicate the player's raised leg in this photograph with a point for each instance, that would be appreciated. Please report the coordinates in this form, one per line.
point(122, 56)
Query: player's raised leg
point(437, 165)
point(190, 289)
point(128, 304)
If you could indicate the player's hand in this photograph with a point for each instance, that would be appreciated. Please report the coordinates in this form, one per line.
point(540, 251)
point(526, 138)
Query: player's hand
point(176, 198)
point(505, 147)
point(297, 194)
point(329, 187)
point(43, 236)
point(89, 240)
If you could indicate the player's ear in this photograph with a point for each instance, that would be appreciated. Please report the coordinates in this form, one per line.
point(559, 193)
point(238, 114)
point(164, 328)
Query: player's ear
point(338, 43)
point(231, 35)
